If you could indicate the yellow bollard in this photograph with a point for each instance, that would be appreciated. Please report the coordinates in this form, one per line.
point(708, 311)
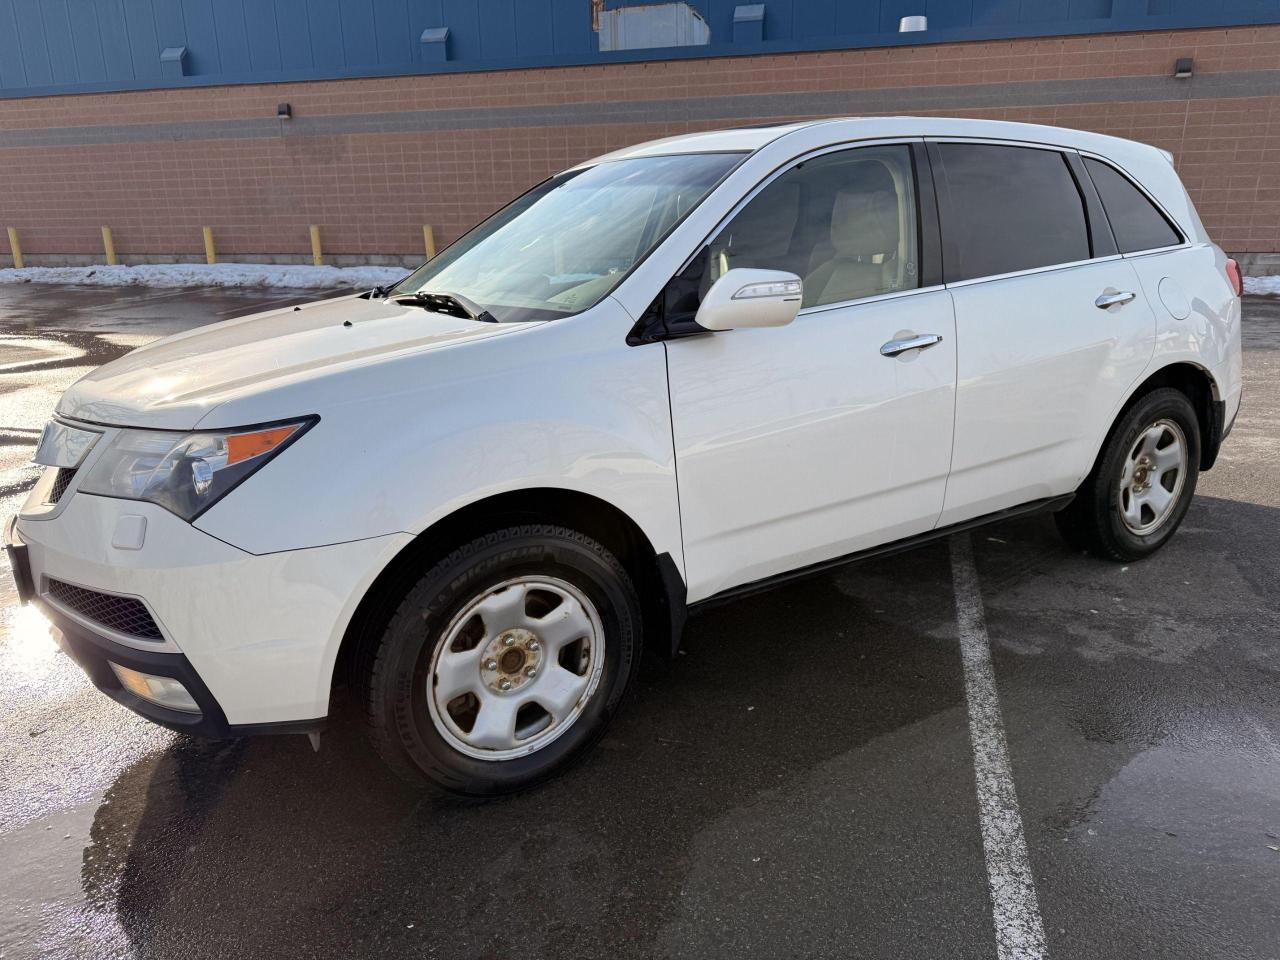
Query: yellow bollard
point(108, 246)
point(429, 238)
point(210, 255)
point(316, 258)
point(15, 248)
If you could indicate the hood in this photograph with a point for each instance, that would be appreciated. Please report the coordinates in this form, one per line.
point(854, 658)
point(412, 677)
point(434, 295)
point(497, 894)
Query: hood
point(175, 382)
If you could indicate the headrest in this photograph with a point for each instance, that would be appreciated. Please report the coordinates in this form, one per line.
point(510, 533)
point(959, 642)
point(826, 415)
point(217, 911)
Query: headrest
point(864, 223)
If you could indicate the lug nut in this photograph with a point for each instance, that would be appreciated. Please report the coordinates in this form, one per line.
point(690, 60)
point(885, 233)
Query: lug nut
point(531, 671)
point(504, 685)
point(491, 664)
point(533, 646)
point(508, 641)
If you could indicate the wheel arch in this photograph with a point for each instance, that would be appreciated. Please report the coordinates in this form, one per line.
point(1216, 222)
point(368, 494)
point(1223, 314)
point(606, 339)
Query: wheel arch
point(657, 577)
point(1200, 388)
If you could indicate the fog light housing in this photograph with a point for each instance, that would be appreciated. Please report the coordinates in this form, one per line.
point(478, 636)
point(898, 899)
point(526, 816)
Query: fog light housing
point(162, 691)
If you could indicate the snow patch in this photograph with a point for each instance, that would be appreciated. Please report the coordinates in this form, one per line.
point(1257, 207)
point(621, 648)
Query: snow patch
point(209, 275)
point(1265, 286)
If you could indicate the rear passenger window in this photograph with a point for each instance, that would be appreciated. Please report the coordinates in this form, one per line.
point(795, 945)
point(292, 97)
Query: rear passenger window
point(1006, 209)
point(1135, 221)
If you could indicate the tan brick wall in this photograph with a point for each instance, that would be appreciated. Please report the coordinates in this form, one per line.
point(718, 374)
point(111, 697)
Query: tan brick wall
point(371, 192)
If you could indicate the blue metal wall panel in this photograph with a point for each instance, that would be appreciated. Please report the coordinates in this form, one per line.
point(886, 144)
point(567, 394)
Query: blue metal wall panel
point(571, 39)
point(423, 15)
point(35, 52)
point(359, 44)
point(233, 37)
point(144, 44)
point(498, 36)
point(949, 14)
point(12, 73)
point(171, 29)
point(855, 18)
point(57, 37)
point(264, 37)
point(533, 29)
point(295, 35)
point(86, 40)
point(993, 12)
point(391, 29)
point(1089, 9)
point(462, 17)
point(816, 18)
point(324, 22)
point(1043, 11)
point(56, 46)
point(115, 41)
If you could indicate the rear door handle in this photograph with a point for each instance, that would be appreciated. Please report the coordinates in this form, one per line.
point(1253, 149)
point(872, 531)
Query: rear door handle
point(1113, 299)
point(895, 347)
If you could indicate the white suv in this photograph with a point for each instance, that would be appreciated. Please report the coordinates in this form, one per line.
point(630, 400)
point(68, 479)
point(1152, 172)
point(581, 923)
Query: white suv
point(682, 371)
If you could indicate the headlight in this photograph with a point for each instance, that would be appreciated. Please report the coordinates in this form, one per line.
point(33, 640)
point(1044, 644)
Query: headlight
point(186, 473)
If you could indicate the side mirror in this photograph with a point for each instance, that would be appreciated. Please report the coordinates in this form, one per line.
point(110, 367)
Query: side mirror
point(745, 297)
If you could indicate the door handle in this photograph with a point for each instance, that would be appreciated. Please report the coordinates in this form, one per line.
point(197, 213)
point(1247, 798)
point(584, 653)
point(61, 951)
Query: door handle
point(1113, 299)
point(895, 347)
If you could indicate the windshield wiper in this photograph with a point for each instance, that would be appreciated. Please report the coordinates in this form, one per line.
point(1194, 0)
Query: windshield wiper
point(452, 304)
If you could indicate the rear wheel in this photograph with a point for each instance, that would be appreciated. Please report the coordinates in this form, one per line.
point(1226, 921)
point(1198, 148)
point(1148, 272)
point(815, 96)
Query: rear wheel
point(1138, 492)
point(505, 663)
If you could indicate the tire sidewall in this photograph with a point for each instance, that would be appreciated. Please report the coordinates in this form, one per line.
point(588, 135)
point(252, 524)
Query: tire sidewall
point(1160, 405)
point(400, 686)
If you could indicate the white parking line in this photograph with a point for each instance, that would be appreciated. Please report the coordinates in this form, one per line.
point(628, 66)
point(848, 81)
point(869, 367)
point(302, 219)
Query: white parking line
point(1014, 905)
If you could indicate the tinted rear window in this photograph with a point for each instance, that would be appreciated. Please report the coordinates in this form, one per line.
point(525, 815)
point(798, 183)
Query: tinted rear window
point(1135, 221)
point(1008, 209)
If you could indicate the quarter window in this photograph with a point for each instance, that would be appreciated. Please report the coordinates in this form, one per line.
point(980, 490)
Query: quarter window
point(844, 222)
point(1006, 209)
point(1135, 221)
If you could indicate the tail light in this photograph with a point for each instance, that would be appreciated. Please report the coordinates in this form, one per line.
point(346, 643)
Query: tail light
point(1233, 274)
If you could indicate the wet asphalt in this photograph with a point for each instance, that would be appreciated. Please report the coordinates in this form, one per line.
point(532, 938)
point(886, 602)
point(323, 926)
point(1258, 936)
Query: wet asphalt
point(800, 785)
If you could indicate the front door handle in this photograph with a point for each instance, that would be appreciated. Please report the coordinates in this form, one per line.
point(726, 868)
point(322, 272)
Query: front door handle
point(895, 347)
point(1113, 299)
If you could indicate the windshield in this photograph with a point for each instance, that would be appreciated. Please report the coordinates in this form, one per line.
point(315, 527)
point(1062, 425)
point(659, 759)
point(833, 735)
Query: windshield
point(565, 244)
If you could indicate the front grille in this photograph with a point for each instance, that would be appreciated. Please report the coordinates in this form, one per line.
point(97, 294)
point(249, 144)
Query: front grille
point(60, 483)
point(123, 614)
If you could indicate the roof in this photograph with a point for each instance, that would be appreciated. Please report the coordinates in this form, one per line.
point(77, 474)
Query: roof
point(1150, 166)
point(842, 129)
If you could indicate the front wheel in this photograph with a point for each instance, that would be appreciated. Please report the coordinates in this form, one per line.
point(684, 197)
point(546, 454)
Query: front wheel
point(505, 663)
point(1138, 492)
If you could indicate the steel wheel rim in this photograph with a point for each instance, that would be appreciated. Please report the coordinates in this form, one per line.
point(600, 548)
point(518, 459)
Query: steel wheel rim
point(1151, 481)
point(549, 656)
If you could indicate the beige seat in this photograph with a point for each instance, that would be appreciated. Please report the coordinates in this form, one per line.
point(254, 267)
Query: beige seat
point(864, 230)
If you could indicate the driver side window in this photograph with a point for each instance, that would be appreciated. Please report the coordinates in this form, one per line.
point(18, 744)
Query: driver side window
point(844, 222)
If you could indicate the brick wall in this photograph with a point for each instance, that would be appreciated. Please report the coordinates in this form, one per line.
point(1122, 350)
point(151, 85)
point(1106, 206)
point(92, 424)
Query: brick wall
point(372, 160)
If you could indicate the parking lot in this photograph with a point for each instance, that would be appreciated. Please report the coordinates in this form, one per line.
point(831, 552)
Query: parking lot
point(803, 783)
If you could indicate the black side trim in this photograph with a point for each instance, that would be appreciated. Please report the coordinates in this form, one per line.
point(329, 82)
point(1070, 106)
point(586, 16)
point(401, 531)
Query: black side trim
point(1047, 505)
point(675, 599)
point(19, 562)
point(671, 314)
point(1218, 431)
point(1102, 239)
point(93, 651)
point(929, 223)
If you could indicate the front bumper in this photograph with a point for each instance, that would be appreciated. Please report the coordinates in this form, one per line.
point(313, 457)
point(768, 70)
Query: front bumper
point(94, 653)
point(252, 638)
